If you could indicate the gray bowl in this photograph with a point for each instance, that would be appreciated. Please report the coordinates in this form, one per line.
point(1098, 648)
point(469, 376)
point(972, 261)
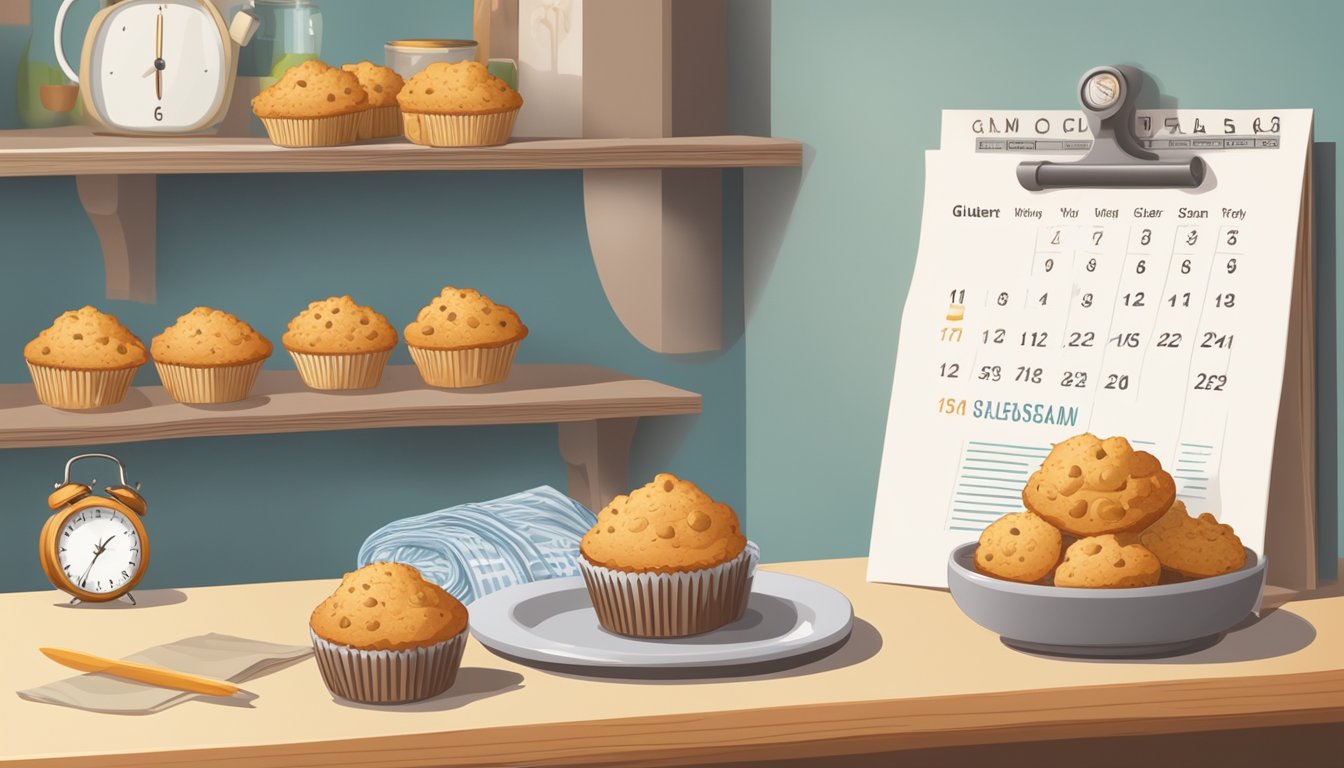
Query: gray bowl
point(1167, 619)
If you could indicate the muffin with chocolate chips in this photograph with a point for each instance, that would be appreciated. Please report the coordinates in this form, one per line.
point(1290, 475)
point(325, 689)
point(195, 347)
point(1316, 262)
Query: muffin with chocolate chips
point(463, 339)
point(313, 105)
point(388, 636)
point(667, 561)
point(338, 344)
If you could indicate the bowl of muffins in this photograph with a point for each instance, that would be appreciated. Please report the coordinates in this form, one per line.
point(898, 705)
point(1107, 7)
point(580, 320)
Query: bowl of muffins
point(1105, 561)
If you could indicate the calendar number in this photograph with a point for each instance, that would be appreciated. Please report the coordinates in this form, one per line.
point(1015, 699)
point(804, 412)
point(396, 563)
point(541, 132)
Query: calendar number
point(1049, 264)
point(1044, 298)
point(950, 333)
point(1232, 236)
point(1117, 381)
point(1179, 299)
point(1134, 299)
point(1003, 299)
point(990, 373)
point(993, 337)
point(952, 406)
point(1091, 265)
point(1055, 240)
point(1141, 267)
point(1096, 237)
point(1082, 338)
point(1128, 340)
point(1169, 340)
point(1087, 300)
point(1147, 237)
point(1033, 339)
point(959, 296)
point(1211, 382)
point(1185, 267)
point(1192, 238)
point(1076, 379)
point(1231, 266)
point(1225, 300)
point(949, 370)
point(1027, 374)
point(1216, 340)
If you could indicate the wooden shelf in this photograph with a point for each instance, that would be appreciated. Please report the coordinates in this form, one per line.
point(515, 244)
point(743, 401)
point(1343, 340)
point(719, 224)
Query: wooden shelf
point(597, 409)
point(76, 151)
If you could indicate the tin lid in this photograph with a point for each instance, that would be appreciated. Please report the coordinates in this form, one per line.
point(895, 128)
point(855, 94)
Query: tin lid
point(432, 44)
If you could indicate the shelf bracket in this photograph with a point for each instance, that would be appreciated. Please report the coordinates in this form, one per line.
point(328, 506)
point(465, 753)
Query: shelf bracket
point(597, 454)
point(657, 242)
point(124, 213)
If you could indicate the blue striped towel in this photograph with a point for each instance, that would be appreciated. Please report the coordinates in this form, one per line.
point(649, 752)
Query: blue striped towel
point(472, 550)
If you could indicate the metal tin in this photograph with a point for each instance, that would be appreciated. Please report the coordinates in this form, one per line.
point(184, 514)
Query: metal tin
point(407, 57)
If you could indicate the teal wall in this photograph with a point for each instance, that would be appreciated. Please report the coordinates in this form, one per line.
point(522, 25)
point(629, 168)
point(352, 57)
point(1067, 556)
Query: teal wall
point(262, 508)
point(862, 83)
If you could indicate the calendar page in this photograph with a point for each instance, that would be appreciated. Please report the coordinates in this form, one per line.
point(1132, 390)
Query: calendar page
point(1157, 314)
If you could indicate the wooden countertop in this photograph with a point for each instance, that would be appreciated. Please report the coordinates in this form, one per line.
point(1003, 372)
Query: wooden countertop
point(915, 674)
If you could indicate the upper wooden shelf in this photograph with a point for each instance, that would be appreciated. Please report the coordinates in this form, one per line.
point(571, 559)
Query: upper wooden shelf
point(77, 151)
point(281, 403)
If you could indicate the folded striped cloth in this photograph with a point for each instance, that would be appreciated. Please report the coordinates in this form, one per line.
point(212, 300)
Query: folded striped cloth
point(472, 550)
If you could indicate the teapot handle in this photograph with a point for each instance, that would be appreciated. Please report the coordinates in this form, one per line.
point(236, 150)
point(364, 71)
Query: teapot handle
point(60, 51)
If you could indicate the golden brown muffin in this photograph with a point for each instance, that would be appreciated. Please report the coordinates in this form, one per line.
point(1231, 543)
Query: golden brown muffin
point(460, 318)
point(1087, 486)
point(457, 88)
point(1104, 562)
point(86, 339)
point(1019, 546)
point(337, 325)
point(668, 526)
point(312, 89)
point(208, 337)
point(380, 83)
point(1197, 547)
point(388, 606)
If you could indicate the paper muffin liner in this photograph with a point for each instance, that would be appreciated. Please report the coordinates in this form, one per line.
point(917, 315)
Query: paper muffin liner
point(380, 122)
point(457, 368)
point(313, 131)
point(389, 677)
point(208, 384)
point(671, 604)
point(80, 389)
point(360, 370)
point(459, 130)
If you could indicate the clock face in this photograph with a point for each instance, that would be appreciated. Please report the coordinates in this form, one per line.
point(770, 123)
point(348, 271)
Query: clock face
point(161, 82)
point(98, 549)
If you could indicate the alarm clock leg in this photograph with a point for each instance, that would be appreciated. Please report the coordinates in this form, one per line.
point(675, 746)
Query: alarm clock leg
point(131, 597)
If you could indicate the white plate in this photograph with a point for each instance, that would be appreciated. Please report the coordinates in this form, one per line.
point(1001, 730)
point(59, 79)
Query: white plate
point(551, 624)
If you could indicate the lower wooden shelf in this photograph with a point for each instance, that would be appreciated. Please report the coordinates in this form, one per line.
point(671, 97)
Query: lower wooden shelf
point(596, 408)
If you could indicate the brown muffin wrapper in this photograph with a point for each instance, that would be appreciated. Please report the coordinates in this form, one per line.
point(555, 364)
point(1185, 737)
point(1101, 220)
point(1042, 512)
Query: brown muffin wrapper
point(313, 131)
point(457, 368)
point(351, 371)
point(214, 384)
point(671, 604)
point(389, 677)
point(459, 130)
point(80, 390)
point(380, 122)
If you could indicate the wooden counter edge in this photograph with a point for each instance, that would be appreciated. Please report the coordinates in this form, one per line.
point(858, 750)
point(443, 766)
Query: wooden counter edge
point(1180, 706)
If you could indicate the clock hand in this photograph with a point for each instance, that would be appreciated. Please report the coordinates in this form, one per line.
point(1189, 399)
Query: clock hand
point(158, 57)
point(97, 551)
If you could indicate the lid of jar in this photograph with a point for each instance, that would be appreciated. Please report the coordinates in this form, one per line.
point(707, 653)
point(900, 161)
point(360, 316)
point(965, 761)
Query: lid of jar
point(432, 44)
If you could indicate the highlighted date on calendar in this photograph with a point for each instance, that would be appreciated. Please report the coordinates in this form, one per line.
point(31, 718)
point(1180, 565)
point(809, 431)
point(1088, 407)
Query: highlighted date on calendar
point(1010, 411)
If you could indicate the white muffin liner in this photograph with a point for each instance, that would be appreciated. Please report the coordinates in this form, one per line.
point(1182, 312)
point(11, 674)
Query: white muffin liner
point(457, 368)
point(314, 131)
point(484, 130)
point(80, 389)
point(359, 370)
point(671, 604)
point(208, 384)
point(389, 677)
point(380, 122)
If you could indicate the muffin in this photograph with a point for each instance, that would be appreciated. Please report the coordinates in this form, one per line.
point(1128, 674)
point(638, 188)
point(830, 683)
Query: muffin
point(1020, 546)
point(338, 344)
point(383, 117)
point(667, 561)
point(1107, 562)
point(209, 356)
point(1195, 547)
point(1088, 487)
point(458, 104)
point(387, 636)
point(312, 105)
point(463, 339)
point(86, 359)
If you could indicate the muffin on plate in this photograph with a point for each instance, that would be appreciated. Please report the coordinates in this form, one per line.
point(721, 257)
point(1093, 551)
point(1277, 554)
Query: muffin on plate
point(463, 339)
point(85, 359)
point(209, 356)
point(458, 104)
point(667, 561)
point(383, 117)
point(312, 105)
point(387, 636)
point(338, 344)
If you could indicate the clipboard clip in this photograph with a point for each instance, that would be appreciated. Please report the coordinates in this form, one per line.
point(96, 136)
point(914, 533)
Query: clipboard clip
point(1109, 97)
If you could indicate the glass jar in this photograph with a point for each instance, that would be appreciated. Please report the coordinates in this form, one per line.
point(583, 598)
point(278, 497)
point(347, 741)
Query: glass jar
point(290, 34)
point(38, 67)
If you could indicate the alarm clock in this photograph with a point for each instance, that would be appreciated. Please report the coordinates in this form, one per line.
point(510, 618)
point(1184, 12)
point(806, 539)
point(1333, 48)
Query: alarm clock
point(94, 547)
point(157, 67)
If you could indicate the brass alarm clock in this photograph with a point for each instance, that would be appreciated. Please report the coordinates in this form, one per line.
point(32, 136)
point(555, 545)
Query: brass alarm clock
point(94, 547)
